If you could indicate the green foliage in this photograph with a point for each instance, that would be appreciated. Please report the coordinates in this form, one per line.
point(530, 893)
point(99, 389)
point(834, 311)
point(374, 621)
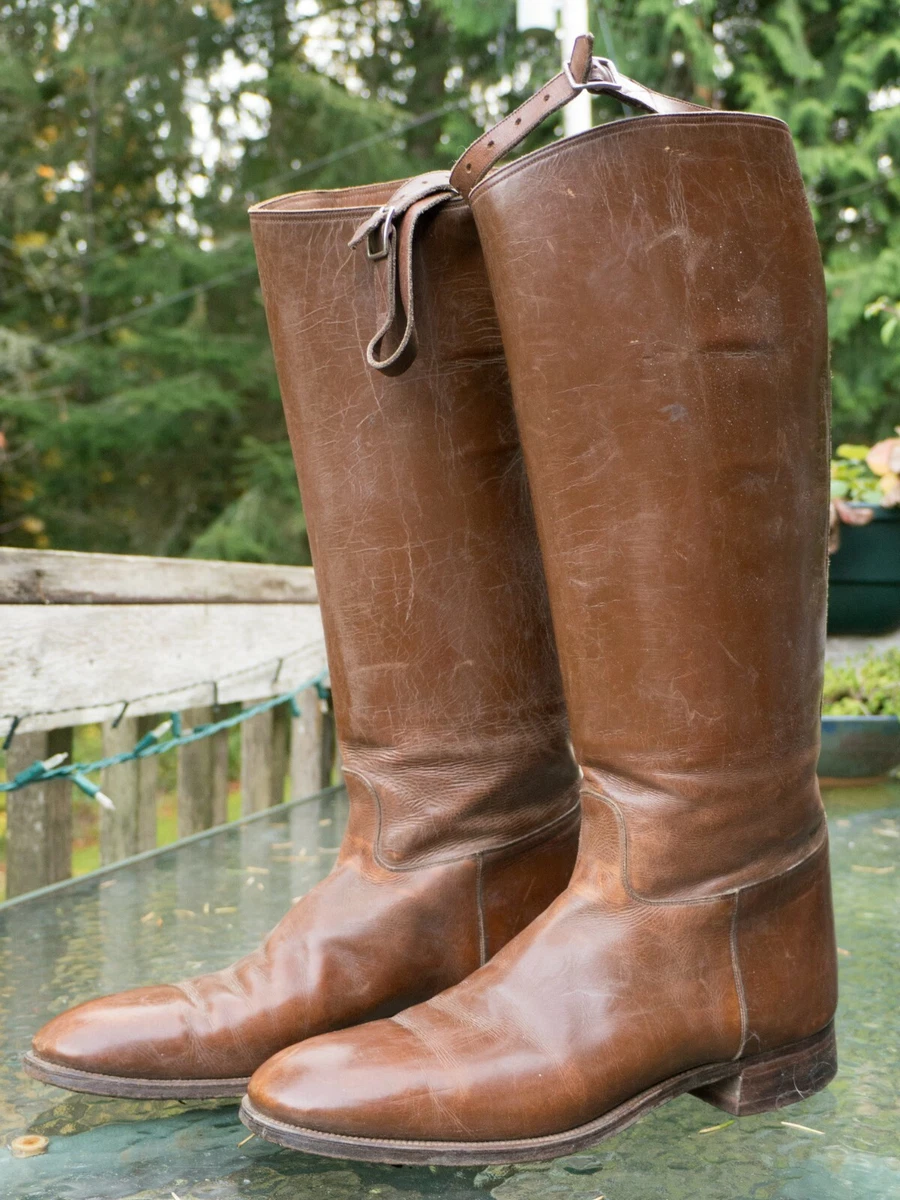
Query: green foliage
point(867, 688)
point(851, 477)
point(139, 409)
point(265, 523)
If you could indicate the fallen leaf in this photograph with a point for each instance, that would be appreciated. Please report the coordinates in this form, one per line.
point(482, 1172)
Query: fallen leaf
point(147, 917)
point(804, 1128)
point(843, 953)
point(246, 1140)
point(863, 870)
point(715, 1128)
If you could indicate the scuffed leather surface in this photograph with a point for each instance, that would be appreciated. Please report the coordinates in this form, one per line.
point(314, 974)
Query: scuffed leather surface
point(443, 668)
point(662, 309)
point(786, 948)
point(463, 789)
point(599, 998)
point(364, 943)
point(674, 422)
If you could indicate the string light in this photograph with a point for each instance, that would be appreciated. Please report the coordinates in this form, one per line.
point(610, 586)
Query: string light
point(156, 741)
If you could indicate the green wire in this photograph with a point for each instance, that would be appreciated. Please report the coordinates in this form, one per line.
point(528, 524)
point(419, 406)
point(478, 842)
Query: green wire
point(152, 743)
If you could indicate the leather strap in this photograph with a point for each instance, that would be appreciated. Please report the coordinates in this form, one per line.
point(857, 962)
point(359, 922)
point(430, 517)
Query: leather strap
point(582, 73)
point(389, 233)
point(390, 230)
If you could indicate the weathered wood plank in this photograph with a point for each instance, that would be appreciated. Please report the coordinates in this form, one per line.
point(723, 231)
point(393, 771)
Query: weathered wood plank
point(196, 777)
point(257, 786)
point(220, 777)
point(306, 746)
point(148, 786)
point(67, 577)
point(82, 661)
point(281, 725)
point(132, 788)
point(38, 818)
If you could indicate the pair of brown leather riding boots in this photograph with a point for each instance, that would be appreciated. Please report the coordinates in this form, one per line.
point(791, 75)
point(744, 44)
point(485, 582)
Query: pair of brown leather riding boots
point(577, 481)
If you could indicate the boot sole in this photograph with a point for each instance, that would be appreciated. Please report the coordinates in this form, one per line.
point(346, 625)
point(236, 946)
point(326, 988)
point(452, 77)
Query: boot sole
point(121, 1086)
point(760, 1083)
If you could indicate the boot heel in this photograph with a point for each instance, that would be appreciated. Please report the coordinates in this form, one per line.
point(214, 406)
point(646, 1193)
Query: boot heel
point(774, 1080)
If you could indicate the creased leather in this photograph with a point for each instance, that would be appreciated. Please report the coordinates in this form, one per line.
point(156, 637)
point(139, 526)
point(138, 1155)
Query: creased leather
point(463, 790)
point(662, 308)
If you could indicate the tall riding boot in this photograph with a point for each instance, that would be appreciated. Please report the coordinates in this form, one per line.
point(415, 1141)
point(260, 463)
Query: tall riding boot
point(463, 789)
point(661, 303)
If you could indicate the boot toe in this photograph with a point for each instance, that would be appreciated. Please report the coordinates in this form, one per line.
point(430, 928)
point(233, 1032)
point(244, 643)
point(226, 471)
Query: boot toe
point(136, 1034)
point(372, 1081)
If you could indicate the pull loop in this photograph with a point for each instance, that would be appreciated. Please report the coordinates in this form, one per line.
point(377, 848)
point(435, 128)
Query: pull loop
point(389, 235)
point(582, 72)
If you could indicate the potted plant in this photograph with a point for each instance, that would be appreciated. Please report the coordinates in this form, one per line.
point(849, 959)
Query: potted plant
point(861, 718)
point(864, 580)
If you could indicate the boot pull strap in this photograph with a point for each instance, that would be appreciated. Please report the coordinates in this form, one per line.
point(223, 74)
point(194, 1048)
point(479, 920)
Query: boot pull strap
point(388, 235)
point(582, 72)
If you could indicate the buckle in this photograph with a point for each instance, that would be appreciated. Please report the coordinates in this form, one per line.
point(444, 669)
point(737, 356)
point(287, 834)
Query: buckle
point(614, 83)
point(384, 229)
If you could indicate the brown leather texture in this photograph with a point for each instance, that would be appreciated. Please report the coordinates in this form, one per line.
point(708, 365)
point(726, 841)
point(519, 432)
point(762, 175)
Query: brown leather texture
point(463, 788)
point(662, 308)
point(785, 946)
point(690, 392)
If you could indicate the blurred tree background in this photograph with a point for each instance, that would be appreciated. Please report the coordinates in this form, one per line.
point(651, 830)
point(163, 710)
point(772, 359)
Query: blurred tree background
point(139, 410)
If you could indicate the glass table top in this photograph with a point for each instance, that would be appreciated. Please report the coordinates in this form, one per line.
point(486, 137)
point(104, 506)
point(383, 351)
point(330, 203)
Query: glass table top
point(199, 905)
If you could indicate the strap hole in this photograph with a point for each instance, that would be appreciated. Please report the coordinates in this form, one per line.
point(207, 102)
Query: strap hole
point(468, 166)
point(547, 96)
point(491, 142)
point(518, 120)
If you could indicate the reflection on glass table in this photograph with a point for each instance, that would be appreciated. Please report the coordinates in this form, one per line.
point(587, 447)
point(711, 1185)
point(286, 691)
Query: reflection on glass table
point(200, 905)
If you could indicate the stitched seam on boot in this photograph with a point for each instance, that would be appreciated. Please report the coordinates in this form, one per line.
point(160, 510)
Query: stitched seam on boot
point(622, 129)
point(335, 216)
point(457, 858)
point(738, 974)
point(479, 909)
point(821, 839)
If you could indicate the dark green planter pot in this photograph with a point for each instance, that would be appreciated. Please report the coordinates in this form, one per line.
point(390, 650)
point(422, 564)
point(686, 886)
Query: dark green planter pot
point(856, 748)
point(864, 579)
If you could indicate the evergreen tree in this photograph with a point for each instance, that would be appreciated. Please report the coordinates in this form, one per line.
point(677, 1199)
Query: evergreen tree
point(138, 404)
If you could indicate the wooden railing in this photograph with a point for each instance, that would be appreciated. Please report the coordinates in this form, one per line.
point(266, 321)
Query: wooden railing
point(119, 640)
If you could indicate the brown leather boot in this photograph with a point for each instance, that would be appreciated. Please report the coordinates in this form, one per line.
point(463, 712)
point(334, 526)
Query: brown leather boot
point(661, 302)
point(463, 788)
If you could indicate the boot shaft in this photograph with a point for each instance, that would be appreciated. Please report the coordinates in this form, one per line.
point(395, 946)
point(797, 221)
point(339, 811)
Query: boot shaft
point(445, 681)
point(663, 313)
